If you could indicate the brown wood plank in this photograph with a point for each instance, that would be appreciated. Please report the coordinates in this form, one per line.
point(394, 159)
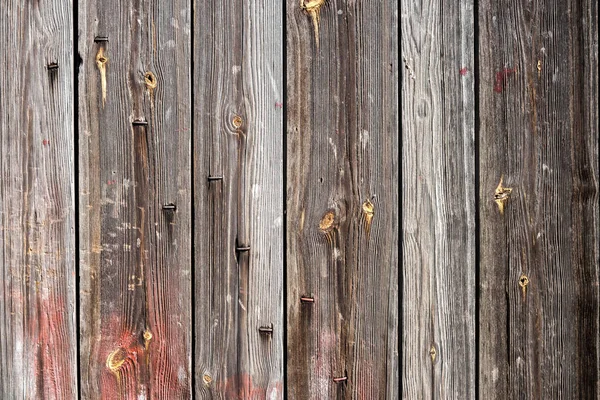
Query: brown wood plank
point(238, 178)
point(342, 199)
point(539, 258)
point(438, 200)
point(37, 238)
point(135, 253)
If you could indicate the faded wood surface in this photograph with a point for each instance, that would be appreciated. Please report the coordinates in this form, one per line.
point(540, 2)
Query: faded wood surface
point(438, 200)
point(238, 201)
point(342, 200)
point(135, 253)
point(37, 237)
point(539, 259)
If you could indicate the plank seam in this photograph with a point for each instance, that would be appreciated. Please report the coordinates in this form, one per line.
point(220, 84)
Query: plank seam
point(476, 110)
point(76, 63)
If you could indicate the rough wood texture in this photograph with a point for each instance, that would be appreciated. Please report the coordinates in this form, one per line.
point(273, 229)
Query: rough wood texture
point(135, 254)
point(342, 200)
point(539, 259)
point(37, 237)
point(238, 136)
point(438, 200)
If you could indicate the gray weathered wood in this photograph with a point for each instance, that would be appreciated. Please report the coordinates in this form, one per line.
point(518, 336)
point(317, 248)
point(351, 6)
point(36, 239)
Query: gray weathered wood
point(135, 255)
point(342, 199)
point(37, 236)
point(438, 200)
point(539, 130)
point(238, 136)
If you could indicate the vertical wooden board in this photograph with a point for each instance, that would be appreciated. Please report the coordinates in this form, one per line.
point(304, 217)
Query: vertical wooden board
point(539, 258)
point(135, 252)
point(37, 238)
point(238, 178)
point(342, 199)
point(438, 200)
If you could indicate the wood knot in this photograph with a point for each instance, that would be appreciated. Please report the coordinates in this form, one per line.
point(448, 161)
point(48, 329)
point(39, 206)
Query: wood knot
point(327, 221)
point(368, 213)
point(433, 353)
point(237, 122)
point(313, 8)
point(501, 195)
point(150, 80)
point(115, 360)
point(523, 282)
point(206, 379)
point(101, 61)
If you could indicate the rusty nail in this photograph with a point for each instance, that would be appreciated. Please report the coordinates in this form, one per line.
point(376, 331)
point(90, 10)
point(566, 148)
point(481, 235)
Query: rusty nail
point(243, 248)
point(98, 39)
point(139, 122)
point(266, 330)
point(307, 300)
point(215, 178)
point(170, 207)
point(52, 65)
point(342, 379)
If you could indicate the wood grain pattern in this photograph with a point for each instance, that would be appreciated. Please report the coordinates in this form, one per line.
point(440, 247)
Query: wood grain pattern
point(37, 237)
point(539, 259)
point(135, 254)
point(342, 200)
point(438, 200)
point(238, 136)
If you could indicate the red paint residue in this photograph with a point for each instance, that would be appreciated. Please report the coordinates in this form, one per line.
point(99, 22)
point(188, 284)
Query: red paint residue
point(463, 71)
point(501, 79)
point(111, 182)
point(241, 387)
point(52, 355)
point(46, 142)
point(278, 105)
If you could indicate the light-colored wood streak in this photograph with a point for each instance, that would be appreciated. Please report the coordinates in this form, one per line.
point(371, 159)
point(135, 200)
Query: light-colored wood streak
point(38, 337)
point(438, 200)
point(238, 142)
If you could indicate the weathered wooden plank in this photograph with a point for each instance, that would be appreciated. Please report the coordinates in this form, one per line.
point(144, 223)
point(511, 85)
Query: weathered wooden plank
point(438, 200)
point(539, 258)
point(342, 199)
point(37, 242)
point(238, 178)
point(135, 252)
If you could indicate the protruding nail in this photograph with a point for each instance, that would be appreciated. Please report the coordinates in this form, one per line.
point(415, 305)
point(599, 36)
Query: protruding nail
point(99, 39)
point(169, 207)
point(52, 65)
point(139, 122)
point(215, 178)
point(341, 379)
point(243, 248)
point(307, 299)
point(266, 330)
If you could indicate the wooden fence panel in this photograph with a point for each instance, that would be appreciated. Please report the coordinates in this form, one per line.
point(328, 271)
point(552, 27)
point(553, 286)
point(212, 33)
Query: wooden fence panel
point(539, 199)
point(238, 178)
point(342, 199)
point(38, 340)
point(135, 198)
point(438, 200)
